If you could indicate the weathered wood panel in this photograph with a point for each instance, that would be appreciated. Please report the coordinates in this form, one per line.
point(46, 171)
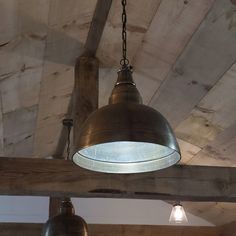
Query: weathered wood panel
point(170, 30)
point(219, 152)
point(209, 54)
point(10, 229)
point(85, 91)
point(140, 14)
point(97, 26)
point(19, 176)
point(22, 40)
point(214, 113)
point(69, 25)
point(19, 131)
point(188, 151)
point(218, 213)
point(229, 229)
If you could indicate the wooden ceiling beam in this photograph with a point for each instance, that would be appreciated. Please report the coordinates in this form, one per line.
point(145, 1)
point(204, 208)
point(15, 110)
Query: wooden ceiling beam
point(43, 177)
point(20, 229)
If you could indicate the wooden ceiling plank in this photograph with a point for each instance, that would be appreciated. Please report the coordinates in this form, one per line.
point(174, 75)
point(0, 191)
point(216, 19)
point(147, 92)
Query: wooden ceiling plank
point(18, 130)
point(69, 25)
point(220, 152)
point(214, 113)
point(218, 213)
point(188, 151)
point(21, 67)
point(22, 176)
point(22, 229)
point(140, 15)
point(208, 55)
point(97, 26)
point(171, 29)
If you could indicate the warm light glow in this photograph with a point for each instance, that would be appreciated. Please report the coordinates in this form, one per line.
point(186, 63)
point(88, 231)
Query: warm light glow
point(126, 157)
point(178, 215)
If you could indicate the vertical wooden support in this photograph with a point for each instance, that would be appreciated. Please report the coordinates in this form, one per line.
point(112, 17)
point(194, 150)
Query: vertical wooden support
point(85, 91)
point(54, 206)
point(85, 101)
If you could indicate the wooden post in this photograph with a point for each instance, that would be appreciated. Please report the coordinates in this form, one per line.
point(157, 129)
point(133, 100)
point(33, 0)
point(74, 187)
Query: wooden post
point(85, 91)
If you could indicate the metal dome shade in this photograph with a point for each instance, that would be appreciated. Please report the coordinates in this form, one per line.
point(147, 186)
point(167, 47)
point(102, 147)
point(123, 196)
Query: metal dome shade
point(66, 223)
point(126, 136)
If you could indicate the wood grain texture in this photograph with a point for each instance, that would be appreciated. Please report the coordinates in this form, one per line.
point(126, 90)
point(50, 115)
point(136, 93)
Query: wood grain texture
point(19, 176)
point(170, 30)
point(140, 14)
point(214, 113)
point(209, 54)
point(219, 152)
point(97, 26)
point(218, 213)
point(22, 40)
point(10, 229)
point(69, 24)
point(229, 229)
point(85, 91)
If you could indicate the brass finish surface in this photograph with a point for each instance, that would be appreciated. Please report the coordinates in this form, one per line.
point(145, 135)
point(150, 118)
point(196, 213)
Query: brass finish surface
point(66, 223)
point(126, 128)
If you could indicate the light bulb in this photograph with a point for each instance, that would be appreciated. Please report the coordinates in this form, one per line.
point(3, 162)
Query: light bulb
point(178, 215)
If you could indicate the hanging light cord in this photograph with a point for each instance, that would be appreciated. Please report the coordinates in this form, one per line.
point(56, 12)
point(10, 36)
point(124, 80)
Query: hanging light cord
point(124, 61)
point(68, 123)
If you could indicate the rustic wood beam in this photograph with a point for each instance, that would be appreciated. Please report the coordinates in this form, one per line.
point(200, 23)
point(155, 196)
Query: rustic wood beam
point(85, 91)
point(229, 229)
point(97, 26)
point(19, 229)
point(22, 176)
point(91, 45)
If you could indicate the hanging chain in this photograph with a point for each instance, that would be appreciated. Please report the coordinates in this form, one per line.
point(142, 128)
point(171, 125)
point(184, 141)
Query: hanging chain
point(124, 61)
point(68, 123)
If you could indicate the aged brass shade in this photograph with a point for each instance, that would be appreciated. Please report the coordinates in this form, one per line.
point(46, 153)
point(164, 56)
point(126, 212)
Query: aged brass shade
point(126, 136)
point(66, 223)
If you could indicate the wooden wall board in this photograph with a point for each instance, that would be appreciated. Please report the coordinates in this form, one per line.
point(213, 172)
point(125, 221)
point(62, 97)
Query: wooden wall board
point(215, 112)
point(208, 55)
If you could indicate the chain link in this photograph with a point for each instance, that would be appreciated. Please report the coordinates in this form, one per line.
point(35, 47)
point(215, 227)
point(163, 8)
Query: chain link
point(124, 61)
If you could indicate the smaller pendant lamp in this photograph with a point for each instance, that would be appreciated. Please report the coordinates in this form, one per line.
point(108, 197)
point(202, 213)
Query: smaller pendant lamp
point(178, 215)
point(66, 223)
point(126, 136)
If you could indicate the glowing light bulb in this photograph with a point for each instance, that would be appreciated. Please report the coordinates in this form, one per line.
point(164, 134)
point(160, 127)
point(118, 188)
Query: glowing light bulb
point(178, 215)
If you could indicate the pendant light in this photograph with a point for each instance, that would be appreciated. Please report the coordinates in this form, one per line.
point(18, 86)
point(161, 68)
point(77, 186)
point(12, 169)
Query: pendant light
point(126, 136)
point(178, 215)
point(66, 223)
